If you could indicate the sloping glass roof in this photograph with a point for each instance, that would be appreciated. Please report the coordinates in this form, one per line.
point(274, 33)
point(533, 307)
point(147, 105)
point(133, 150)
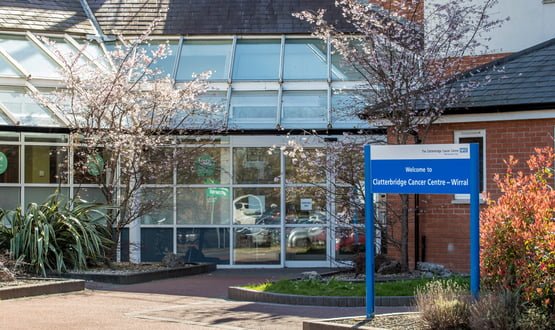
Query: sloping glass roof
point(257, 82)
point(305, 59)
point(198, 56)
point(6, 69)
point(29, 55)
point(3, 121)
point(24, 109)
point(61, 47)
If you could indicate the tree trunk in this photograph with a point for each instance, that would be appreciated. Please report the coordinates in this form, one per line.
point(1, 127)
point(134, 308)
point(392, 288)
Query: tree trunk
point(113, 252)
point(404, 232)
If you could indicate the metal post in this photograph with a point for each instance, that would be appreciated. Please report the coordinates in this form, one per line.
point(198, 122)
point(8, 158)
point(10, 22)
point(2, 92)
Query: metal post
point(369, 225)
point(474, 222)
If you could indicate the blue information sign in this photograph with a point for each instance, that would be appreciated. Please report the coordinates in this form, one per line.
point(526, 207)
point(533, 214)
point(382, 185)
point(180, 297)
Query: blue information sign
point(422, 169)
point(418, 169)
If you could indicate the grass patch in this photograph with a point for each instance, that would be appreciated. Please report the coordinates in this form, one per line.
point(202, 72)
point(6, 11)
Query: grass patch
point(334, 287)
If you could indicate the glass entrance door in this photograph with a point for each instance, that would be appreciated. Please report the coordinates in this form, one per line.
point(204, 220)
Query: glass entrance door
point(306, 212)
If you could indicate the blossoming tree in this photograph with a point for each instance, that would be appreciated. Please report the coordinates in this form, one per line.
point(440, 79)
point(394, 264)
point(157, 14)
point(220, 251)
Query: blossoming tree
point(125, 116)
point(407, 55)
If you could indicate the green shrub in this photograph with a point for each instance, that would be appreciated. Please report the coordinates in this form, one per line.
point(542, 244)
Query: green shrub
point(535, 318)
point(56, 235)
point(443, 304)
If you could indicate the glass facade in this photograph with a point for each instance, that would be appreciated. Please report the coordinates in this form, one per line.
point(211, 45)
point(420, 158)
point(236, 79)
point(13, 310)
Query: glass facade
point(258, 83)
point(255, 108)
point(7, 69)
point(204, 244)
point(25, 111)
point(305, 59)
point(255, 165)
point(304, 107)
point(202, 56)
point(30, 56)
point(203, 206)
point(11, 155)
point(237, 203)
point(256, 60)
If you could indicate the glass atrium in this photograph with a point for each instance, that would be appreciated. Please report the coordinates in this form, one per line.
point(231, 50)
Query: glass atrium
point(252, 209)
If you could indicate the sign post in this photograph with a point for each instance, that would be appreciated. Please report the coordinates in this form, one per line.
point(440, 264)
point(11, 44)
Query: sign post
point(422, 169)
point(370, 235)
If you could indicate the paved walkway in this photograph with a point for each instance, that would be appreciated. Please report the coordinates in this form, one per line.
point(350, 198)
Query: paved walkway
point(194, 302)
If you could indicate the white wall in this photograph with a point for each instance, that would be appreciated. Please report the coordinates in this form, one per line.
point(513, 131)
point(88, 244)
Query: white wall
point(530, 22)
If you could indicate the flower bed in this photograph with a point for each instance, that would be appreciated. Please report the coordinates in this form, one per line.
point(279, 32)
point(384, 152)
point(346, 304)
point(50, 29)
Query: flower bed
point(138, 274)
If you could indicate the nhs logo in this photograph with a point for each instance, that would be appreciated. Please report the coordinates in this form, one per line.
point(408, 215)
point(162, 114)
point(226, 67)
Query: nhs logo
point(463, 150)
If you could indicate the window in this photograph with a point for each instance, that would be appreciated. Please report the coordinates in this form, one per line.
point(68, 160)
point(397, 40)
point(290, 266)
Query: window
point(203, 206)
point(29, 56)
point(257, 60)
point(10, 197)
point(45, 164)
point(63, 49)
point(9, 163)
point(254, 107)
point(209, 115)
point(41, 194)
point(24, 109)
point(474, 136)
point(6, 69)
point(155, 243)
point(209, 166)
point(206, 55)
point(203, 244)
point(255, 166)
point(305, 59)
point(342, 70)
point(157, 204)
point(161, 65)
point(304, 106)
point(346, 105)
point(94, 51)
point(257, 245)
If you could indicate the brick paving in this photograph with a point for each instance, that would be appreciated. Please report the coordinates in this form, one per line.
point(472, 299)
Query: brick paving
point(194, 302)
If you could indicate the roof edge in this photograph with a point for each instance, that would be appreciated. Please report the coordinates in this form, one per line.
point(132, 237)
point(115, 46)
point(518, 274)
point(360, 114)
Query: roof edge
point(500, 108)
point(500, 61)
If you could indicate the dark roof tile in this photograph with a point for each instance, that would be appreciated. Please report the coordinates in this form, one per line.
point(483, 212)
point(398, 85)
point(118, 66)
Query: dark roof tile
point(190, 17)
point(45, 15)
point(527, 77)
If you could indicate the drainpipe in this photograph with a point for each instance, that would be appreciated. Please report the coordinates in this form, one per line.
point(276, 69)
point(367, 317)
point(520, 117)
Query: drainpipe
point(416, 229)
point(416, 216)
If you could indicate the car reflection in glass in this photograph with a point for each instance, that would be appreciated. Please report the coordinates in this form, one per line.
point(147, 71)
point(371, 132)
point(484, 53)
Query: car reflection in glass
point(308, 236)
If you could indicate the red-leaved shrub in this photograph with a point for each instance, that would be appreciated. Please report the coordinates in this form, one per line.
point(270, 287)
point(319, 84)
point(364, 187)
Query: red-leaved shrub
point(518, 232)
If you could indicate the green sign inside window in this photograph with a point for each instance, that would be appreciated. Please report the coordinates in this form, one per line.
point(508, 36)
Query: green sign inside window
point(217, 192)
point(95, 164)
point(205, 166)
point(3, 163)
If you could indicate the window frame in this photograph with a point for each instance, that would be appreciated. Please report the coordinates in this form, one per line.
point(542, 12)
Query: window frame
point(475, 133)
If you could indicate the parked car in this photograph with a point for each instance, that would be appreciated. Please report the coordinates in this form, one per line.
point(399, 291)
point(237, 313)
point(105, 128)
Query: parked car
point(347, 242)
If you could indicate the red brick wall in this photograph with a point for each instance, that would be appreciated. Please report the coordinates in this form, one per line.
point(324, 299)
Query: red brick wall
point(446, 225)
